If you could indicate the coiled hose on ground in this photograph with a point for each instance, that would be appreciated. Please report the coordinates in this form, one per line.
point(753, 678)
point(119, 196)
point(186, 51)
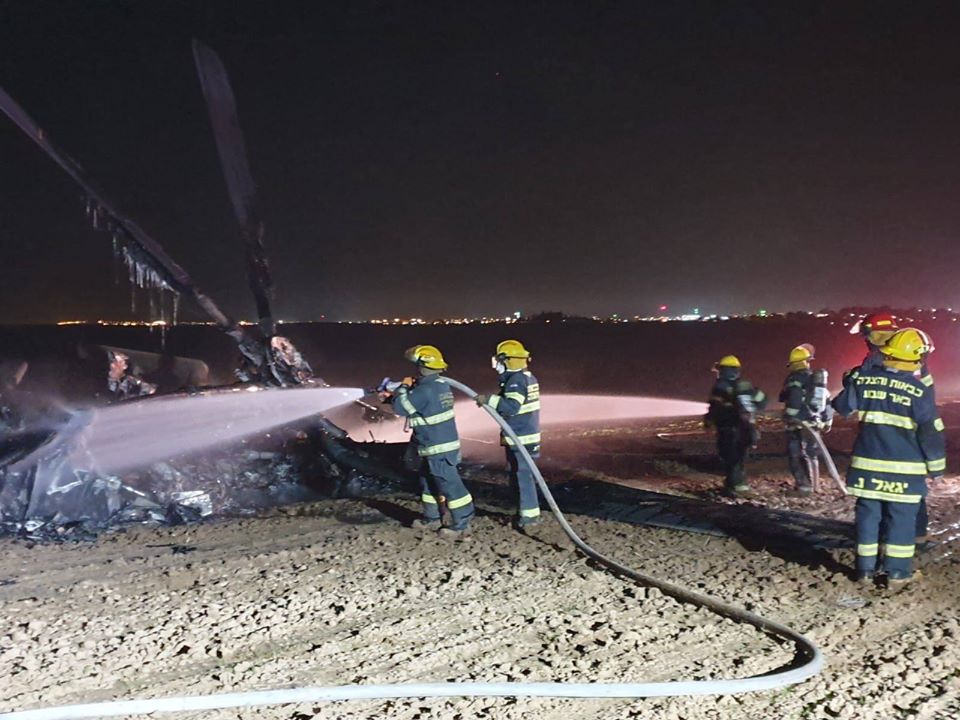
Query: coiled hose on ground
point(807, 659)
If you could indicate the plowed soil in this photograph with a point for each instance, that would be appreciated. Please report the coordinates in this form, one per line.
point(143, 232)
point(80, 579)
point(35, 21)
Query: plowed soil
point(343, 592)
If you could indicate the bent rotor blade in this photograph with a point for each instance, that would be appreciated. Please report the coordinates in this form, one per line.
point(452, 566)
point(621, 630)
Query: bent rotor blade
point(145, 249)
point(236, 170)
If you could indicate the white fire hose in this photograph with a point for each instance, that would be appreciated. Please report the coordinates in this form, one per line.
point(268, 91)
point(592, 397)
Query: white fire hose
point(807, 659)
point(825, 454)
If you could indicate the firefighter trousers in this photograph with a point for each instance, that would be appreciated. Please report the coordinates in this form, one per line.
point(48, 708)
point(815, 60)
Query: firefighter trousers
point(732, 444)
point(439, 478)
point(522, 482)
point(900, 521)
point(803, 458)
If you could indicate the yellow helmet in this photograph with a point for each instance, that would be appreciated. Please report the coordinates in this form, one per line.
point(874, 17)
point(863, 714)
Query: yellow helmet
point(801, 354)
point(512, 349)
point(427, 356)
point(908, 345)
point(728, 361)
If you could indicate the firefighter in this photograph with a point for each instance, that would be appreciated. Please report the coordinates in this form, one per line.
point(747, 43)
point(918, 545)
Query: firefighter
point(876, 329)
point(427, 402)
point(805, 400)
point(900, 443)
point(518, 402)
point(734, 403)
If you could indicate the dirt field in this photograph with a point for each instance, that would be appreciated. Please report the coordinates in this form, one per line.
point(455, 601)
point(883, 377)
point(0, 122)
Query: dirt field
point(341, 592)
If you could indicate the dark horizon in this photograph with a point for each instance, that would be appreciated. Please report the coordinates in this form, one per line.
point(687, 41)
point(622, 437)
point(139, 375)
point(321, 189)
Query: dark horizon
point(438, 161)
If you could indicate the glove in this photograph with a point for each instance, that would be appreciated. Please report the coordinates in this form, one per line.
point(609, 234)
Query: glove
point(481, 399)
point(826, 427)
point(754, 436)
point(408, 382)
point(849, 376)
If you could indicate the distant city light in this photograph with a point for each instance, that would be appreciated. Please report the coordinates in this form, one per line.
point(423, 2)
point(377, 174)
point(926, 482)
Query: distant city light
point(518, 317)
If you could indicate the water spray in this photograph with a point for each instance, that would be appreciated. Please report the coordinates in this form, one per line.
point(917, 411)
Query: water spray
point(133, 434)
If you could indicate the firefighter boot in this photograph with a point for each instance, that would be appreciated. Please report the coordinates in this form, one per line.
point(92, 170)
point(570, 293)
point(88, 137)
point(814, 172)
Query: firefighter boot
point(454, 535)
point(899, 583)
point(425, 524)
point(804, 478)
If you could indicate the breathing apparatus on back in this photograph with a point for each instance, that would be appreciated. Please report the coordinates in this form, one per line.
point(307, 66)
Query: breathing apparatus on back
point(821, 395)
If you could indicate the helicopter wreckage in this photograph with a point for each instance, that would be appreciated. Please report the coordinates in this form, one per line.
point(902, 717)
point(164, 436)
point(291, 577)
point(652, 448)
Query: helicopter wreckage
point(52, 484)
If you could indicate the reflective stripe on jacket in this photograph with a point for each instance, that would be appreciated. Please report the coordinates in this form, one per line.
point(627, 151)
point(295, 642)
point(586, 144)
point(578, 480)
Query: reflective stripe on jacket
point(429, 405)
point(901, 438)
point(795, 396)
point(519, 404)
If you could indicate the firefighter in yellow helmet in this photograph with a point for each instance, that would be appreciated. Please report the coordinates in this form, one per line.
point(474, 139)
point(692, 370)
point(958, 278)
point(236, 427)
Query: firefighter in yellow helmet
point(876, 329)
point(734, 403)
point(805, 400)
point(518, 402)
point(427, 403)
point(899, 445)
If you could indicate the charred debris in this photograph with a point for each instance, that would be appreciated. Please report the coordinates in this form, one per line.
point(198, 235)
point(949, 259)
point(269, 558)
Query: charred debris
point(50, 486)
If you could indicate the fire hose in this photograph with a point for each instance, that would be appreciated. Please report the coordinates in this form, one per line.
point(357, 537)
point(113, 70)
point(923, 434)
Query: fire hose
point(825, 454)
point(807, 661)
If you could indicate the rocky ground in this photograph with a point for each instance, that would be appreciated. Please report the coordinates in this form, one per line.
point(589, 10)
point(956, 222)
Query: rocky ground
point(341, 592)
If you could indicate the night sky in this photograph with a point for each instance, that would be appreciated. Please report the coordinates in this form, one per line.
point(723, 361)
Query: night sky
point(479, 158)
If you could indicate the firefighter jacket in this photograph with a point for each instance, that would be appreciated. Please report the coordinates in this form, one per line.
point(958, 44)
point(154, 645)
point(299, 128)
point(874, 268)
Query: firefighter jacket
point(901, 438)
point(800, 401)
point(734, 401)
point(795, 396)
point(519, 404)
point(429, 407)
